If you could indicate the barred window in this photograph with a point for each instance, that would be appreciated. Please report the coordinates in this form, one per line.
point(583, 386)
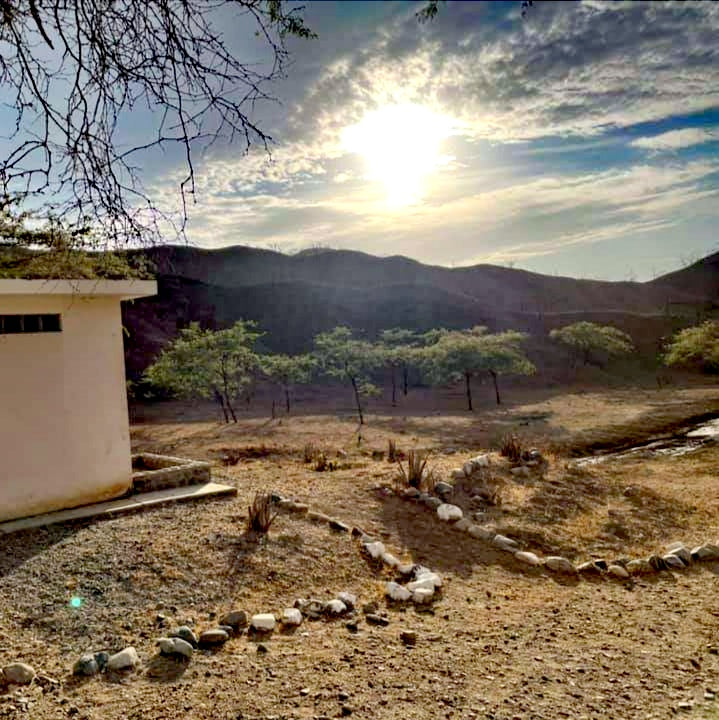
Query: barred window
point(16, 324)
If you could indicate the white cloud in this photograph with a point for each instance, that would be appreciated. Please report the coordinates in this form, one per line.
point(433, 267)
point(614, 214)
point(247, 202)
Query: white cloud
point(676, 139)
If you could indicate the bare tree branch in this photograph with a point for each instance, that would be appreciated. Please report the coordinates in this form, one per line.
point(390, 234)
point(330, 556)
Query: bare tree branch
point(77, 71)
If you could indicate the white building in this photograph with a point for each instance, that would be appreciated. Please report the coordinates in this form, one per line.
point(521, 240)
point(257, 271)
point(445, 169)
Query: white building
point(64, 429)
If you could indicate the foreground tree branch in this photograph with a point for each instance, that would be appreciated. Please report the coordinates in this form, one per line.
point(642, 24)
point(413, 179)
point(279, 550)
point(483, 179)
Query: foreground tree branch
point(83, 76)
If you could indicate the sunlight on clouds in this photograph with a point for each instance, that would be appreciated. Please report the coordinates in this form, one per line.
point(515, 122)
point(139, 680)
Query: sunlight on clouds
point(401, 145)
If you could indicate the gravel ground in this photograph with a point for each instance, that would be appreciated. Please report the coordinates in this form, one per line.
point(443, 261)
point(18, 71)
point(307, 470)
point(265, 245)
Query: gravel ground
point(501, 642)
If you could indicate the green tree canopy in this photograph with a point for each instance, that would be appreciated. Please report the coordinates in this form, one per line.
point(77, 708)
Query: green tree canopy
point(589, 341)
point(342, 356)
point(288, 370)
point(211, 364)
point(397, 347)
point(696, 347)
point(463, 354)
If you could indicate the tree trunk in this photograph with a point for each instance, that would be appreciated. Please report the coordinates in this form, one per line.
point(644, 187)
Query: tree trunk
point(273, 408)
point(230, 408)
point(496, 387)
point(394, 386)
point(405, 373)
point(467, 377)
point(220, 401)
point(287, 399)
point(357, 400)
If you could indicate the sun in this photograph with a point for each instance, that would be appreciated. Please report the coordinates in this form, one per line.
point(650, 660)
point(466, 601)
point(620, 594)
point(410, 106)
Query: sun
point(401, 145)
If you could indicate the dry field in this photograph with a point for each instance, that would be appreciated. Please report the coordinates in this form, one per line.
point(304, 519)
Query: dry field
point(502, 642)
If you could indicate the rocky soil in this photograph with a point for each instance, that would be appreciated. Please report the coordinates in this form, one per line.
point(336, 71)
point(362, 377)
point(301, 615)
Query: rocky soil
point(502, 641)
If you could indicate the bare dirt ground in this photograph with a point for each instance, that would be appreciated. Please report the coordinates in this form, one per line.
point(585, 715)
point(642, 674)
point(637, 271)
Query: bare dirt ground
point(501, 642)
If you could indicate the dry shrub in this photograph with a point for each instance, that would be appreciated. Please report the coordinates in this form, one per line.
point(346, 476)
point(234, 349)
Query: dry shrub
point(489, 490)
point(322, 464)
point(511, 448)
point(416, 475)
point(391, 451)
point(231, 456)
point(260, 514)
point(309, 452)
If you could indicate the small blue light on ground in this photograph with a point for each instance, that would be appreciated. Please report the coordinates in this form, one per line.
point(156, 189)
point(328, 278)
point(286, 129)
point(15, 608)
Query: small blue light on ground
point(76, 602)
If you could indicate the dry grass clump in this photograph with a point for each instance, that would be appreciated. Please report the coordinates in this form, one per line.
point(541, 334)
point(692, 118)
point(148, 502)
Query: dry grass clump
point(260, 515)
point(417, 475)
point(309, 452)
point(322, 464)
point(511, 448)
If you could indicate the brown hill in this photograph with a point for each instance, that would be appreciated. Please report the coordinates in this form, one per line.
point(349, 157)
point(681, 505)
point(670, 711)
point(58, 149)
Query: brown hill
point(295, 297)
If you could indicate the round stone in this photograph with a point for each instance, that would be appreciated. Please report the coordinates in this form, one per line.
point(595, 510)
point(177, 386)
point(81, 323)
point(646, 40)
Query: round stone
point(126, 659)
point(528, 558)
point(618, 571)
point(175, 646)
point(186, 634)
point(213, 638)
point(236, 619)
point(449, 513)
point(19, 673)
point(349, 599)
point(291, 617)
point(86, 666)
point(263, 622)
point(396, 592)
point(335, 607)
point(421, 596)
point(559, 564)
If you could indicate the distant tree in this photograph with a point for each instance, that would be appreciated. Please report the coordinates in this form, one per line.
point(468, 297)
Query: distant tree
point(218, 365)
point(696, 347)
point(288, 371)
point(588, 341)
point(344, 357)
point(464, 354)
point(397, 347)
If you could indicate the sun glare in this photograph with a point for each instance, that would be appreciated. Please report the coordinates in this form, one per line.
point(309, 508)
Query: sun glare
point(401, 145)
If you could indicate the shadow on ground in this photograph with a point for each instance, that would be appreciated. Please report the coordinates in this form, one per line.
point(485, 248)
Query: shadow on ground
point(443, 549)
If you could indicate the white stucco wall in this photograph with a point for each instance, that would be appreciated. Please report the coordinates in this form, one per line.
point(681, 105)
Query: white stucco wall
point(64, 430)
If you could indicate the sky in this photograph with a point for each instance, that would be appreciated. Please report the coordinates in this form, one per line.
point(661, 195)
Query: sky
point(582, 140)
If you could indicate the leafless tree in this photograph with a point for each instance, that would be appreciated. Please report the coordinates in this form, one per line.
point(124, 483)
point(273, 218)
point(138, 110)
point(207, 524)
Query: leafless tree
point(72, 72)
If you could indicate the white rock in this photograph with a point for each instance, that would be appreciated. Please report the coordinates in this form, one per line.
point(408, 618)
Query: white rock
point(124, 660)
point(706, 552)
point(426, 583)
point(618, 571)
point(431, 576)
point(505, 543)
point(673, 561)
point(559, 564)
point(264, 622)
point(449, 513)
point(462, 525)
point(520, 471)
point(349, 599)
point(457, 474)
point(480, 461)
point(421, 596)
point(390, 560)
point(175, 646)
point(477, 531)
point(683, 554)
point(335, 607)
point(528, 558)
point(675, 546)
point(375, 549)
point(291, 617)
point(394, 591)
point(468, 469)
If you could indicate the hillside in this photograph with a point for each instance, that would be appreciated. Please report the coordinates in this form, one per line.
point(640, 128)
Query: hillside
point(295, 297)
